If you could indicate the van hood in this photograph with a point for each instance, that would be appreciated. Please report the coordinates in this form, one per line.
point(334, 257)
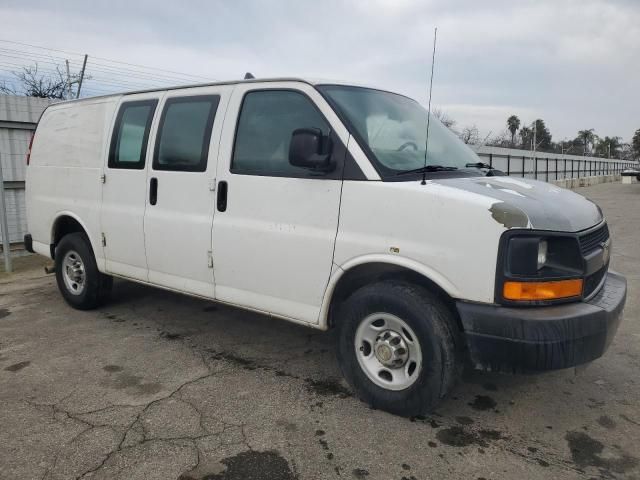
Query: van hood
point(524, 203)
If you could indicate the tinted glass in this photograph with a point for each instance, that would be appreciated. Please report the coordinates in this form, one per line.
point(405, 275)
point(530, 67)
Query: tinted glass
point(129, 143)
point(394, 128)
point(184, 134)
point(267, 120)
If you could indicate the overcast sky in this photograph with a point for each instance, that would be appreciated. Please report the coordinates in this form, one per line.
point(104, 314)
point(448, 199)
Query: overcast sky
point(574, 63)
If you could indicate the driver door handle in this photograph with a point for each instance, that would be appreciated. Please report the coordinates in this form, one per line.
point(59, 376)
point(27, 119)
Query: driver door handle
point(221, 199)
point(153, 191)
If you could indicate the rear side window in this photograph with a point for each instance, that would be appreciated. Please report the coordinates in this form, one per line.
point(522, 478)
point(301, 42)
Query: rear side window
point(184, 133)
point(267, 121)
point(130, 134)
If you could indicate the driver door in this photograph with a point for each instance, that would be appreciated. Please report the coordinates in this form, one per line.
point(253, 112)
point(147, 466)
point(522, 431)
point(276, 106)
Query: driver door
point(276, 224)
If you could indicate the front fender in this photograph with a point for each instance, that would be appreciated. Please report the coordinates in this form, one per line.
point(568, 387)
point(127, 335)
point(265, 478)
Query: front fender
point(395, 260)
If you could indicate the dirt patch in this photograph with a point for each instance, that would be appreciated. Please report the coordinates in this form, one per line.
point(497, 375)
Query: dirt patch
point(360, 473)
point(587, 452)
point(464, 420)
point(126, 381)
point(327, 387)
point(112, 368)
point(170, 336)
point(607, 422)
point(483, 402)
point(17, 366)
point(250, 465)
point(457, 436)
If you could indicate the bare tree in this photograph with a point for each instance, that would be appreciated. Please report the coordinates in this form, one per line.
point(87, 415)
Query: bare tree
point(470, 135)
point(446, 120)
point(502, 139)
point(31, 83)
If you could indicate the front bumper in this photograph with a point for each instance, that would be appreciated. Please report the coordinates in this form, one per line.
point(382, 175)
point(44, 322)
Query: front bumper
point(533, 339)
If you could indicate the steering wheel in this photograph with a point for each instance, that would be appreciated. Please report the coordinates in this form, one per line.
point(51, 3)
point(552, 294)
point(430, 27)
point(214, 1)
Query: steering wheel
point(407, 144)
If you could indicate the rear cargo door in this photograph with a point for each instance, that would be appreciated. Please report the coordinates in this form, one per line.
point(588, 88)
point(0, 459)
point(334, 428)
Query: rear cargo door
point(181, 189)
point(124, 191)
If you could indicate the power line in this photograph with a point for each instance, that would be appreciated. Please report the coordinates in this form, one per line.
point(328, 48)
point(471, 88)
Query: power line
point(95, 65)
point(107, 60)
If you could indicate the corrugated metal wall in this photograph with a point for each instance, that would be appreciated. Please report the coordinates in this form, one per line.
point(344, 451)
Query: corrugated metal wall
point(18, 118)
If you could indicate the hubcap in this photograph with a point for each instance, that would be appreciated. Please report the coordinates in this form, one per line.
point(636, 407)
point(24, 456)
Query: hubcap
point(73, 272)
point(391, 349)
point(388, 351)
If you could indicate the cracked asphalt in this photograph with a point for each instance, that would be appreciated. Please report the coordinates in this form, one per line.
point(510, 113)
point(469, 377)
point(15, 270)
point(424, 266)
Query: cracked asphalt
point(157, 385)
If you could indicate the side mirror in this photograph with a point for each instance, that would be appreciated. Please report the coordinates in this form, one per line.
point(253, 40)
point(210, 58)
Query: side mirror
point(309, 148)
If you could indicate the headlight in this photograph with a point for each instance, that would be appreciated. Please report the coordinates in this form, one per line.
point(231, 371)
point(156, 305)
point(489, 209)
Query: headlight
point(538, 267)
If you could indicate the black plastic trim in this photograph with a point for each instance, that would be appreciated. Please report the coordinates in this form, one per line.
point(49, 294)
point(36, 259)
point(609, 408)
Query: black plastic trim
point(543, 338)
point(502, 273)
point(28, 243)
point(352, 170)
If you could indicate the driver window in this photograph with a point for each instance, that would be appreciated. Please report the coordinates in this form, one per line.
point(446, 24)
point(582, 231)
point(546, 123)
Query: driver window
point(267, 121)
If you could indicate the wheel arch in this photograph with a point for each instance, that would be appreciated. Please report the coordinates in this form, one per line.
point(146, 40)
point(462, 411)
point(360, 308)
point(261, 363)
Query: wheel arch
point(366, 270)
point(65, 223)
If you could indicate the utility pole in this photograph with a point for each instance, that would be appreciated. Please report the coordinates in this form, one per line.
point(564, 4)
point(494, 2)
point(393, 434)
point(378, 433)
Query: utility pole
point(535, 139)
point(84, 65)
point(4, 224)
point(68, 79)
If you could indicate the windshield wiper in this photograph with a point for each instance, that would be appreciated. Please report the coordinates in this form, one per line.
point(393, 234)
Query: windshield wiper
point(493, 171)
point(480, 165)
point(428, 168)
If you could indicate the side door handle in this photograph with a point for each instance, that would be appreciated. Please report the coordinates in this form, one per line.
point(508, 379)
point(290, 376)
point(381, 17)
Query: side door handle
point(153, 191)
point(221, 200)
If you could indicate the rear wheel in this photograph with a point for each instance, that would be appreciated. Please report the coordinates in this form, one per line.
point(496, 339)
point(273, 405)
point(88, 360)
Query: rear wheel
point(79, 280)
point(397, 347)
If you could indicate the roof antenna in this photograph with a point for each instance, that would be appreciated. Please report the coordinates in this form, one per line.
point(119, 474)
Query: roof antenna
point(248, 76)
point(426, 143)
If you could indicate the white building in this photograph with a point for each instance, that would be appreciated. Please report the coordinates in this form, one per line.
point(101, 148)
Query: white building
point(18, 118)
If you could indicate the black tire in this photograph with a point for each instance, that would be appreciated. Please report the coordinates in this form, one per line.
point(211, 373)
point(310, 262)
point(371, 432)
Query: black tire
point(96, 285)
point(437, 332)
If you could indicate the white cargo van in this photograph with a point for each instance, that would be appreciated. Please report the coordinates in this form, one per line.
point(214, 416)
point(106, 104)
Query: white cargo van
point(311, 202)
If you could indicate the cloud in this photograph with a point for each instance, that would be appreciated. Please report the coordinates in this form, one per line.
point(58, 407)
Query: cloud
point(571, 62)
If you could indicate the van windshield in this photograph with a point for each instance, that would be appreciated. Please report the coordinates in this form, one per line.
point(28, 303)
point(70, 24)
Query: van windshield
point(394, 128)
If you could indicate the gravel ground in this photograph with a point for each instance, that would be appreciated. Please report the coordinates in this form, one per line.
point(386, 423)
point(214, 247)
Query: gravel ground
point(162, 386)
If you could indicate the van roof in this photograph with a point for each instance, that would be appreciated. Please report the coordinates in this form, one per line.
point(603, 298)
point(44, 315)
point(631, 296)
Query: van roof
point(310, 81)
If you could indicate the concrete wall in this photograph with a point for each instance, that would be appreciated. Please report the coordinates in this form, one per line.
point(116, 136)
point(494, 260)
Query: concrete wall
point(18, 119)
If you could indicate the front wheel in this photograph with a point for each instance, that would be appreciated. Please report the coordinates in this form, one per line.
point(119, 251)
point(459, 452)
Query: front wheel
point(79, 280)
point(397, 347)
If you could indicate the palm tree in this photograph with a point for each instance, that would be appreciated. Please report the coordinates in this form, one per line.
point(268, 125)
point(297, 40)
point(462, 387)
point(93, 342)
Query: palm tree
point(513, 124)
point(609, 147)
point(587, 137)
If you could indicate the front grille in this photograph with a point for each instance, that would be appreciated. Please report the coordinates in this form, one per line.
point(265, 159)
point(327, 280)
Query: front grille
point(593, 239)
point(592, 282)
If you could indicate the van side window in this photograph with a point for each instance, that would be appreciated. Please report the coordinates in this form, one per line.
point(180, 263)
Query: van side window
point(267, 120)
point(184, 133)
point(130, 134)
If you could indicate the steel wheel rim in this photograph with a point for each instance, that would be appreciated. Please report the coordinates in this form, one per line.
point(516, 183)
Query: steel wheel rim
point(372, 351)
point(73, 273)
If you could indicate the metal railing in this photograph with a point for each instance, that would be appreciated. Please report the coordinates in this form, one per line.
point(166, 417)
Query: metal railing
point(554, 168)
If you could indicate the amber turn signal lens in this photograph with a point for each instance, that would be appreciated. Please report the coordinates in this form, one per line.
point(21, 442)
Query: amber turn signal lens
point(542, 290)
